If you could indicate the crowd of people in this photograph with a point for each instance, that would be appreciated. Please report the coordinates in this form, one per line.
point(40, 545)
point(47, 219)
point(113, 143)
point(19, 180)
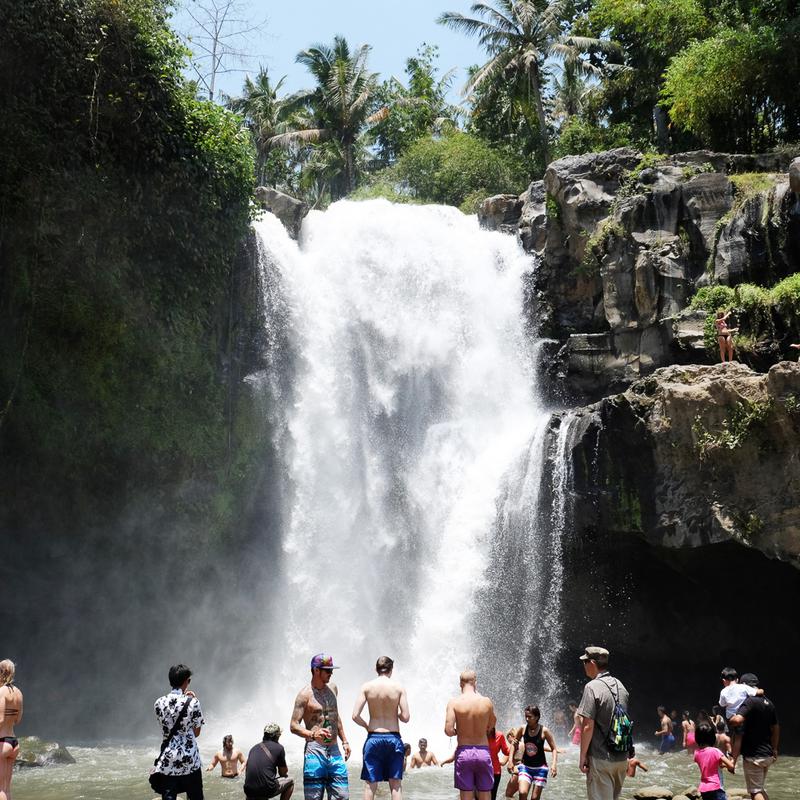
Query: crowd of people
point(749, 729)
point(743, 725)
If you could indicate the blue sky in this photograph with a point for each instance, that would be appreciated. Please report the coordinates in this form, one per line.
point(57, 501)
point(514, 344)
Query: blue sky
point(394, 29)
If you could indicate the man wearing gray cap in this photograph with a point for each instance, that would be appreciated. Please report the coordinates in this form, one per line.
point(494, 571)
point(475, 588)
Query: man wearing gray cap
point(266, 773)
point(604, 768)
point(759, 743)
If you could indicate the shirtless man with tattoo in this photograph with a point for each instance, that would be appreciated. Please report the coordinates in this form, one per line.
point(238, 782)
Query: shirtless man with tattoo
point(316, 719)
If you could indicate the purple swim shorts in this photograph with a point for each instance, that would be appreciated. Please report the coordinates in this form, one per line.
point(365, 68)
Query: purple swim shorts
point(473, 769)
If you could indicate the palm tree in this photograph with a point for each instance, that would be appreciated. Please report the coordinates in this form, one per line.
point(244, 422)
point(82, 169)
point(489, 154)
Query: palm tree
point(266, 115)
point(338, 108)
point(519, 36)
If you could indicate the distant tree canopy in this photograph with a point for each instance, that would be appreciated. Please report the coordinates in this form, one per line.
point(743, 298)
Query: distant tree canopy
point(560, 76)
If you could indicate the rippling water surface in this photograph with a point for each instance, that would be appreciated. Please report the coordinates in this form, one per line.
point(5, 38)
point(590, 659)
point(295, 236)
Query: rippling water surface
point(120, 772)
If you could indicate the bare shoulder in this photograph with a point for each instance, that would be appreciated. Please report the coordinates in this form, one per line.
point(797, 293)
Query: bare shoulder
point(303, 696)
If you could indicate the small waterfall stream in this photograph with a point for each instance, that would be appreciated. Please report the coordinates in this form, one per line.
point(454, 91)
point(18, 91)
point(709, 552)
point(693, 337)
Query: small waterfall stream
point(415, 448)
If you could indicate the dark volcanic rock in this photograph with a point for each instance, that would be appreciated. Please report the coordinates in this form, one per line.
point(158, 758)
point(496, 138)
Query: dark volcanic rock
point(500, 213)
point(696, 455)
point(286, 208)
point(623, 245)
point(33, 752)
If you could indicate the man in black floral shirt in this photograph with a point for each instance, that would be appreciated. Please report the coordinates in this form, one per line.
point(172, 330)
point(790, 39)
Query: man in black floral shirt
point(180, 762)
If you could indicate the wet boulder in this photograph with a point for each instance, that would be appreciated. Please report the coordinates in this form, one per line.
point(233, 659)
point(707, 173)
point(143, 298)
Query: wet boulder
point(35, 752)
point(653, 793)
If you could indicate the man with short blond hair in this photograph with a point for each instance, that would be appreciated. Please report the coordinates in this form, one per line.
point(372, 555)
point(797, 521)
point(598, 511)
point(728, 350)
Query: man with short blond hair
point(604, 769)
point(470, 717)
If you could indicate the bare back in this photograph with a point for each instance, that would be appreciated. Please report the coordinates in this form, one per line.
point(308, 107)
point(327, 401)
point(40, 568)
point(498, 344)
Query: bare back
point(10, 709)
point(385, 699)
point(473, 715)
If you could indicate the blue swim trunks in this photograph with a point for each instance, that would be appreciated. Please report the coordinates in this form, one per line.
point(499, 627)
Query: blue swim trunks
point(383, 758)
point(667, 743)
point(324, 770)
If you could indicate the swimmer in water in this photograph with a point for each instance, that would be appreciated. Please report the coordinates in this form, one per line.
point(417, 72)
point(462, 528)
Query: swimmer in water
point(229, 759)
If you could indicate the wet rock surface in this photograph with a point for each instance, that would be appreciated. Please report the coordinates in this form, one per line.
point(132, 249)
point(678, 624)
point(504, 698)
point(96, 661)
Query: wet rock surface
point(625, 241)
point(35, 752)
point(696, 455)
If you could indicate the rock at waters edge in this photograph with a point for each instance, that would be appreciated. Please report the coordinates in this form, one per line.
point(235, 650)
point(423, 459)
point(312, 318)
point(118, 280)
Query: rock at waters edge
point(653, 793)
point(34, 752)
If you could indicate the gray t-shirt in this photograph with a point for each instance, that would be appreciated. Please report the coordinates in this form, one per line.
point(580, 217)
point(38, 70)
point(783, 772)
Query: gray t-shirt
point(597, 703)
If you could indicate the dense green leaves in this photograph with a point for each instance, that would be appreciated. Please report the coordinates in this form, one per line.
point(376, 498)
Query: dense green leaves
point(450, 169)
point(123, 200)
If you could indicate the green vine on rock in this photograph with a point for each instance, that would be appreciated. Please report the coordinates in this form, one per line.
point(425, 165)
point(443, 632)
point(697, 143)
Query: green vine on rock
point(734, 430)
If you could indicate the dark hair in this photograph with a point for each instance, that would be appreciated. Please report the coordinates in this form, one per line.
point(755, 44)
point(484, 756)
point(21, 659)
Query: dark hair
point(383, 665)
point(729, 674)
point(533, 710)
point(720, 727)
point(661, 710)
point(406, 748)
point(178, 675)
point(705, 735)
point(227, 738)
point(686, 715)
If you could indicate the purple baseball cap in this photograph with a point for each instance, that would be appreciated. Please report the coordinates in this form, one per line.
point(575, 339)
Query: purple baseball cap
point(322, 661)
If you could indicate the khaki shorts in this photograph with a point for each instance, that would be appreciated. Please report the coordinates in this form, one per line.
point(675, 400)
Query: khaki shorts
point(755, 773)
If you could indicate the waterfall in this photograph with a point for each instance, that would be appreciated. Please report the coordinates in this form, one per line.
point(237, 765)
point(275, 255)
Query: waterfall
point(411, 419)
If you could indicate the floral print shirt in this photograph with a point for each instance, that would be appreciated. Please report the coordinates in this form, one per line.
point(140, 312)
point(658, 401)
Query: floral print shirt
point(181, 755)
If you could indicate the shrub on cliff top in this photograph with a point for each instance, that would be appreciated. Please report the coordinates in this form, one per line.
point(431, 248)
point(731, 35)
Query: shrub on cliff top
point(786, 296)
point(450, 169)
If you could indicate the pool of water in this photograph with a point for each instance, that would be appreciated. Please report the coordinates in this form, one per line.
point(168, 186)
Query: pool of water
point(120, 772)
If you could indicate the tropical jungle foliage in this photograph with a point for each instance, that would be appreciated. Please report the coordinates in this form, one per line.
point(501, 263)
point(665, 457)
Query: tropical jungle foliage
point(123, 201)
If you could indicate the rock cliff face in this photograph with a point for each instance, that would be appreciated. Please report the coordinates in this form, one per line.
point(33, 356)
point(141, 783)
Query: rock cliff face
point(694, 455)
point(674, 453)
point(624, 241)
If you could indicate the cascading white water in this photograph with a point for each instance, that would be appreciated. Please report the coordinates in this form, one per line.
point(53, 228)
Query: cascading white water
point(412, 399)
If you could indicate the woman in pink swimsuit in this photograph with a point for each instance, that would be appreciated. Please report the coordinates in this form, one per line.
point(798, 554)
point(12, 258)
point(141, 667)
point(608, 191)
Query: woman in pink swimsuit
point(575, 731)
point(687, 724)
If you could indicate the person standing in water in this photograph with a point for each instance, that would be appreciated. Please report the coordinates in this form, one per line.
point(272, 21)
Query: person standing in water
point(470, 717)
point(316, 719)
point(10, 715)
point(384, 750)
point(424, 757)
point(574, 734)
point(665, 731)
point(532, 771)
point(180, 760)
point(687, 724)
point(605, 770)
point(228, 758)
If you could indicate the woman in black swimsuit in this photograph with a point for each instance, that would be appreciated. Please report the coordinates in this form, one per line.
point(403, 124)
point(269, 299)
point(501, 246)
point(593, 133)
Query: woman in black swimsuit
point(10, 715)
